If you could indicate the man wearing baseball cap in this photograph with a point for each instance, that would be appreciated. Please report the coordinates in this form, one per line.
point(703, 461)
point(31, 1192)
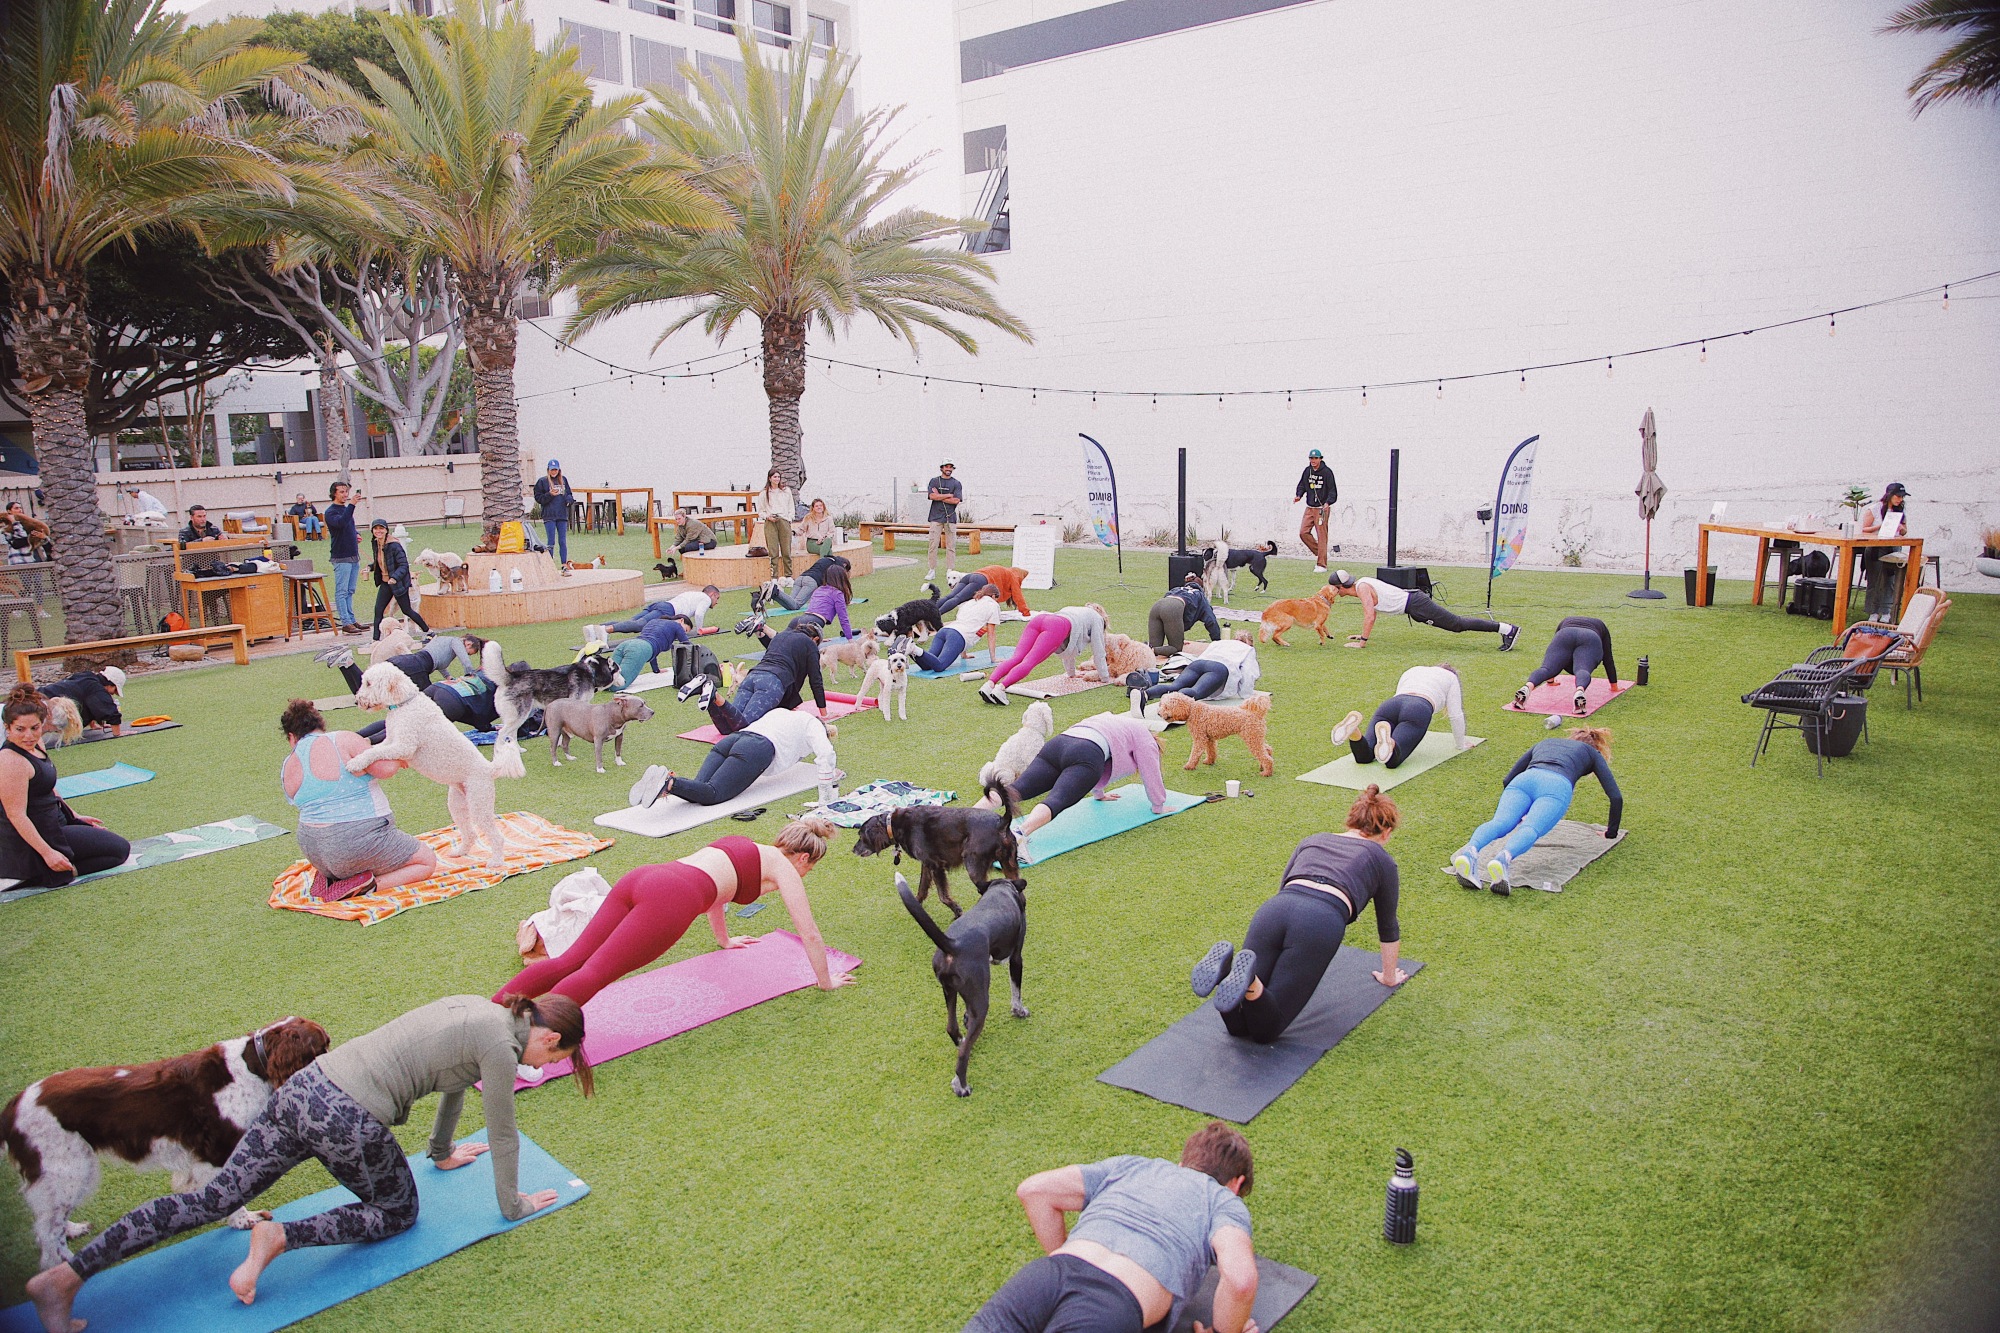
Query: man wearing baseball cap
point(1320, 492)
point(945, 492)
point(96, 694)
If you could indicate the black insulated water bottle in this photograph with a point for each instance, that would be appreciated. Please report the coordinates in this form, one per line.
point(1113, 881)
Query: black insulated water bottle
point(1399, 1216)
point(1645, 670)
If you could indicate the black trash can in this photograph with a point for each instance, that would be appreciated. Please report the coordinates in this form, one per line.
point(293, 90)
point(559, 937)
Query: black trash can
point(1846, 716)
point(1687, 576)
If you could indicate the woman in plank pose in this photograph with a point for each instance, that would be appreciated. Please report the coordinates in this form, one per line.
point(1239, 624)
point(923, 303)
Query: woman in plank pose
point(1539, 789)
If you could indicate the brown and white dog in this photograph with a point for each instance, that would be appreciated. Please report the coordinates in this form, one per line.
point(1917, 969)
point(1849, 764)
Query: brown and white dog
point(449, 568)
point(183, 1115)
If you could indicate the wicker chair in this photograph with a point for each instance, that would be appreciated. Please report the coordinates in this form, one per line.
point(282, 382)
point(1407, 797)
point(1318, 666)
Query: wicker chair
point(1805, 693)
point(1916, 629)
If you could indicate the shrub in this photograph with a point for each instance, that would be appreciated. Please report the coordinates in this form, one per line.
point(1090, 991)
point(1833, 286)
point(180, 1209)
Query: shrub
point(1158, 537)
point(1074, 532)
point(883, 516)
point(849, 522)
point(1990, 543)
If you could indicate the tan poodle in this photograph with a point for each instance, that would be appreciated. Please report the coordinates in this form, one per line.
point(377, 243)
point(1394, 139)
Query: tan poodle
point(1123, 656)
point(1208, 723)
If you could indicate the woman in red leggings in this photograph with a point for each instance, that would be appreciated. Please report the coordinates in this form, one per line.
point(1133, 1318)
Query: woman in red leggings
point(651, 907)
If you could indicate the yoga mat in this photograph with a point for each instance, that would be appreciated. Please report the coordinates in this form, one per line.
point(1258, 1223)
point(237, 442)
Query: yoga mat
point(1054, 687)
point(1559, 857)
point(670, 814)
point(167, 848)
point(979, 661)
point(1091, 820)
point(1280, 1288)
point(1436, 747)
point(120, 774)
point(335, 702)
point(757, 656)
point(779, 612)
point(649, 680)
point(640, 1011)
point(91, 735)
point(1557, 698)
point(533, 843)
point(1229, 613)
point(1197, 1064)
point(183, 1285)
point(837, 706)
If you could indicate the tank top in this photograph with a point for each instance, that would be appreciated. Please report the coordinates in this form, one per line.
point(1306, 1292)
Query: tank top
point(342, 800)
point(1389, 599)
point(45, 811)
point(45, 808)
point(747, 860)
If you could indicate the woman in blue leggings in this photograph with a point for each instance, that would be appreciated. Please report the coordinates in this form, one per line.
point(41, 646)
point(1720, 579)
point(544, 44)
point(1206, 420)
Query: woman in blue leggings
point(1539, 789)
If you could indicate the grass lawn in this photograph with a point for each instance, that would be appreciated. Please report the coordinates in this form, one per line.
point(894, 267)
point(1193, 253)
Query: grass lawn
point(1717, 1084)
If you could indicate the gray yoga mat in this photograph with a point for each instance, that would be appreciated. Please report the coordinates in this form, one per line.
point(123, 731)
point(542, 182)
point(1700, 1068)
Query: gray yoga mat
point(1280, 1288)
point(1197, 1064)
point(1560, 857)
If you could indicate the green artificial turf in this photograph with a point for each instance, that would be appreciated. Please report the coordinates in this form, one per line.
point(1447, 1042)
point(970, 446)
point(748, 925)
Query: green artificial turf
point(1719, 1083)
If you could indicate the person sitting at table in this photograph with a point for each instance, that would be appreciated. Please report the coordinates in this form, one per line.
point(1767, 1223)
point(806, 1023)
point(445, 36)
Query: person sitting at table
point(1884, 565)
point(95, 694)
point(307, 514)
point(691, 534)
point(43, 843)
point(818, 530)
point(198, 528)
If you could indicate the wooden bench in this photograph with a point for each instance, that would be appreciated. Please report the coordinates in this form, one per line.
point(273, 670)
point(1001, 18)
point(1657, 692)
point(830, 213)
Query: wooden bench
point(235, 635)
point(740, 524)
point(970, 531)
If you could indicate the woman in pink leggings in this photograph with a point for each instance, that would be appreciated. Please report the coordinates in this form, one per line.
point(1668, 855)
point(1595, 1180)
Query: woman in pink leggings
point(651, 907)
point(1068, 631)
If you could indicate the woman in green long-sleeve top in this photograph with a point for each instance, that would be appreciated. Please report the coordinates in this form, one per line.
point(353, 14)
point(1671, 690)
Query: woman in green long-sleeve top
point(339, 1109)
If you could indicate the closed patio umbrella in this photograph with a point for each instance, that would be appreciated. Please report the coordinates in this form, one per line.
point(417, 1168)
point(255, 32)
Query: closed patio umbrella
point(1651, 490)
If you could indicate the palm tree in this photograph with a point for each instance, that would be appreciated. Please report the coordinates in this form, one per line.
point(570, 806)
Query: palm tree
point(112, 121)
point(497, 146)
point(807, 241)
point(1970, 67)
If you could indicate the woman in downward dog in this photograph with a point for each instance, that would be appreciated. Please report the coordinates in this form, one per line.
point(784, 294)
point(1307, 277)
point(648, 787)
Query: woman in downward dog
point(1400, 724)
point(1538, 791)
point(1580, 645)
point(650, 908)
point(1069, 631)
point(1085, 760)
point(1262, 987)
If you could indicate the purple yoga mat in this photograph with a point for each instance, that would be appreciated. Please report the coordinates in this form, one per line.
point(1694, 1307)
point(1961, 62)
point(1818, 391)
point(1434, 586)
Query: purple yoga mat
point(638, 1011)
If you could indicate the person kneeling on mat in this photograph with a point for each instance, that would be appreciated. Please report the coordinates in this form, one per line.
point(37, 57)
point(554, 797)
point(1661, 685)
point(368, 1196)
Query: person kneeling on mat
point(1579, 645)
point(770, 745)
point(340, 1110)
point(978, 615)
point(1400, 724)
point(635, 656)
point(1539, 789)
point(1375, 595)
point(346, 829)
point(1226, 668)
point(1146, 1236)
point(1262, 987)
point(1170, 619)
point(790, 662)
point(1088, 758)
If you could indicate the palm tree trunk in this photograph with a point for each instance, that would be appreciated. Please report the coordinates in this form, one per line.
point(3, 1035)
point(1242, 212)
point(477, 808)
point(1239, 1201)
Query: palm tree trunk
point(51, 334)
point(489, 339)
point(336, 434)
point(784, 385)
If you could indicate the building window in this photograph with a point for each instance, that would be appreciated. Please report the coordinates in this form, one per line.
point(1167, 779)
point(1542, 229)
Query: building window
point(772, 22)
point(534, 302)
point(822, 30)
point(715, 15)
point(597, 51)
point(657, 8)
point(985, 149)
point(657, 65)
point(720, 71)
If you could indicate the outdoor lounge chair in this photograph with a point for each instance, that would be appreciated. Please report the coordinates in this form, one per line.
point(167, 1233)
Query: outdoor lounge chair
point(1806, 693)
point(1918, 627)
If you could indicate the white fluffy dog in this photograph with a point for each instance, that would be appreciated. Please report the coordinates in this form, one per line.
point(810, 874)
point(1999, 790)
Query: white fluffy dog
point(1215, 573)
point(420, 736)
point(1020, 749)
point(396, 638)
point(888, 676)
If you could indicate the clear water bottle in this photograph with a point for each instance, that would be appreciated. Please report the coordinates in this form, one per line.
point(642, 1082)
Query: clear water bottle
point(1399, 1217)
point(1645, 671)
point(829, 792)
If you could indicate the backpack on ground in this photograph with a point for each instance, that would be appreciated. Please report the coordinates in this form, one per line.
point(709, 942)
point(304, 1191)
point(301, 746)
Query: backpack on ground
point(695, 659)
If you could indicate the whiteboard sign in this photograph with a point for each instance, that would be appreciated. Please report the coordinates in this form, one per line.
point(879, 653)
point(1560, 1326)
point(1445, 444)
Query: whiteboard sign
point(1035, 551)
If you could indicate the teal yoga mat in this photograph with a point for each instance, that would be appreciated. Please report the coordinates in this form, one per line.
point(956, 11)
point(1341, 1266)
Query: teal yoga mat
point(979, 661)
point(120, 774)
point(184, 1285)
point(167, 848)
point(1437, 747)
point(1091, 821)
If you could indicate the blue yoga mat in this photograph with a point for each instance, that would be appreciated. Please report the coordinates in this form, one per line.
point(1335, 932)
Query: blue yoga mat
point(185, 1285)
point(980, 661)
point(120, 774)
point(1091, 821)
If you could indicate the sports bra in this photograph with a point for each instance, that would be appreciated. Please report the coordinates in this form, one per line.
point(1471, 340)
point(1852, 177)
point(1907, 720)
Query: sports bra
point(747, 860)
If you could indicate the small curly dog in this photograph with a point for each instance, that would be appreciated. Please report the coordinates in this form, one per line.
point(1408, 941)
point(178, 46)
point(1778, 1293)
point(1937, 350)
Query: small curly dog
point(1020, 749)
point(1287, 612)
point(396, 639)
point(1123, 655)
point(421, 737)
point(1208, 723)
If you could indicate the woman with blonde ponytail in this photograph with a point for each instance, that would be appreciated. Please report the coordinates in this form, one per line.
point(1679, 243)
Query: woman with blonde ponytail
point(1260, 988)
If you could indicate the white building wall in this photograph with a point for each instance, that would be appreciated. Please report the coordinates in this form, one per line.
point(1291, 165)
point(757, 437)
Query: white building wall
point(1359, 192)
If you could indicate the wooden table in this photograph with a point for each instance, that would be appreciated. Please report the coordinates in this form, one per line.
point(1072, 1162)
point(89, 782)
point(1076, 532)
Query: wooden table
point(259, 603)
point(740, 524)
point(708, 499)
point(1843, 570)
point(618, 494)
point(970, 531)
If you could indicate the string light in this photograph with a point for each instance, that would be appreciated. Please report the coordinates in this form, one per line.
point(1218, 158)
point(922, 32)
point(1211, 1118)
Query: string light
point(1364, 395)
point(1704, 351)
point(1947, 296)
point(1831, 327)
point(1440, 389)
point(1524, 381)
point(1288, 398)
point(1607, 367)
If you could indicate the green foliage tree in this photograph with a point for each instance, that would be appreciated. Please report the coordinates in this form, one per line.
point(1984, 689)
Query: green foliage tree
point(810, 238)
point(334, 42)
point(1968, 69)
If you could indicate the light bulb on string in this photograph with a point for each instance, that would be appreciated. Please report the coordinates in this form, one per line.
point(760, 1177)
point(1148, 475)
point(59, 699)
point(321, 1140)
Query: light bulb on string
point(1947, 296)
point(1093, 400)
point(1288, 398)
point(1156, 402)
point(1218, 402)
point(1607, 367)
point(1704, 350)
point(1364, 395)
point(1440, 389)
point(1831, 327)
point(1524, 381)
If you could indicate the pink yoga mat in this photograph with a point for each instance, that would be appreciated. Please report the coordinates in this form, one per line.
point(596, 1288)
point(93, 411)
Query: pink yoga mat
point(1558, 696)
point(837, 705)
point(638, 1011)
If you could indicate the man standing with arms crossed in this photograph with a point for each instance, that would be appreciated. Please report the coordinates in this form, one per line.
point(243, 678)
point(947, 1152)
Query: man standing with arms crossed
point(1320, 492)
point(945, 494)
point(344, 549)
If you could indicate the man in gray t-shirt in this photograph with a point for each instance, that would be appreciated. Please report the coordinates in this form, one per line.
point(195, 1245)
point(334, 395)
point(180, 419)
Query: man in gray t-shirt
point(1147, 1233)
point(945, 492)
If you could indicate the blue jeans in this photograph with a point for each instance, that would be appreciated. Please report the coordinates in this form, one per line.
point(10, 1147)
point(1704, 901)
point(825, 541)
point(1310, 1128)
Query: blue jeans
point(346, 573)
point(557, 532)
point(1531, 805)
point(313, 527)
point(757, 695)
point(648, 613)
point(945, 649)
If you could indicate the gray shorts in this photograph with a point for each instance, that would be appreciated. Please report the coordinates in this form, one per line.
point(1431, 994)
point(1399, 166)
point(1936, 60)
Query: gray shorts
point(373, 845)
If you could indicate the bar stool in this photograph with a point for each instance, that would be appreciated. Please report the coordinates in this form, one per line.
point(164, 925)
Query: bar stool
point(305, 598)
point(1934, 566)
point(1784, 550)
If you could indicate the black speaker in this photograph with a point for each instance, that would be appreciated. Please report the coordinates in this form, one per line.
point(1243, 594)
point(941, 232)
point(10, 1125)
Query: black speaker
point(1415, 578)
point(1180, 566)
point(1813, 597)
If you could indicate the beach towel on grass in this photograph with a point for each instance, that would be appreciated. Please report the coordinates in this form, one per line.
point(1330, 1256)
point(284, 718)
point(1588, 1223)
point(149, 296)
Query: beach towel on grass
point(1557, 698)
point(879, 798)
point(167, 848)
point(533, 843)
point(120, 774)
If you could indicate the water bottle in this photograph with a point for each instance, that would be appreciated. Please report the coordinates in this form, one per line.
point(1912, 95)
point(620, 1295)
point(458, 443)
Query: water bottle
point(829, 792)
point(515, 579)
point(493, 582)
point(1399, 1217)
point(1645, 664)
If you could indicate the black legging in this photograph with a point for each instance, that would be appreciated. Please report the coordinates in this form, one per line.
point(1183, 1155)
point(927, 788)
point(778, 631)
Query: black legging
point(417, 666)
point(455, 707)
point(88, 847)
point(733, 763)
point(964, 590)
point(1197, 680)
point(1295, 935)
point(1427, 612)
point(1067, 768)
point(1408, 716)
point(1576, 650)
point(400, 594)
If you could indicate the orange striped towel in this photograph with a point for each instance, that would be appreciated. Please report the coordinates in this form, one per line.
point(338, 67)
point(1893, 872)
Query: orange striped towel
point(532, 844)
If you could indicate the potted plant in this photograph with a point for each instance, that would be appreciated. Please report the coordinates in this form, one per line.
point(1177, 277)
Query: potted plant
point(1988, 562)
point(1853, 502)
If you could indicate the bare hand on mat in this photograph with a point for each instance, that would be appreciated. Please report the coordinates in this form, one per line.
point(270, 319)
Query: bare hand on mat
point(539, 1200)
point(741, 941)
point(835, 983)
point(465, 1154)
point(1397, 979)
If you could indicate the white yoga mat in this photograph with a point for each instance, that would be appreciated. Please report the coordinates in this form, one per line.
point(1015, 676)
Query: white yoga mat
point(649, 680)
point(670, 814)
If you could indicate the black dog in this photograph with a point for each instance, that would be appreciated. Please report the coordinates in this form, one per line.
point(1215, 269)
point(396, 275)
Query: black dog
point(917, 616)
point(995, 928)
point(526, 687)
point(939, 838)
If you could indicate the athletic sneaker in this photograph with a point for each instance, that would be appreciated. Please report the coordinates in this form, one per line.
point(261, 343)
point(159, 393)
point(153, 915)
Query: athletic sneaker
point(751, 623)
point(649, 786)
point(1385, 744)
point(1347, 728)
point(1138, 703)
point(325, 658)
point(692, 688)
point(994, 694)
point(1230, 990)
point(1508, 633)
point(1496, 872)
point(1582, 700)
point(758, 595)
point(1462, 866)
point(1521, 697)
point(1319, 569)
point(1210, 970)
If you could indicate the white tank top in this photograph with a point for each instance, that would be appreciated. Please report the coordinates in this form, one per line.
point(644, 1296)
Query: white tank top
point(1389, 599)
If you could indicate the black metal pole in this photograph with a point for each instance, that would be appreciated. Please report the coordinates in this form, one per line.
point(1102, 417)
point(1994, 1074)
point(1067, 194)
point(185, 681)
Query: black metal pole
point(1395, 468)
point(1180, 530)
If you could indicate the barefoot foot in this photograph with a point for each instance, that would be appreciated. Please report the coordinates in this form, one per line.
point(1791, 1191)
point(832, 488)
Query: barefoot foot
point(54, 1292)
point(267, 1242)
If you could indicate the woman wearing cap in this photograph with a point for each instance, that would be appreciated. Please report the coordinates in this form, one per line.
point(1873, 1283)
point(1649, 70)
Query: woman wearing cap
point(1386, 598)
point(776, 504)
point(43, 842)
point(95, 694)
point(390, 565)
point(552, 494)
point(1884, 565)
point(1320, 492)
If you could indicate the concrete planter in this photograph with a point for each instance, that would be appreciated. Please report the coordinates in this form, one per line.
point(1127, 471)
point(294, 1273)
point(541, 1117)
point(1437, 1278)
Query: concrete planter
point(1987, 565)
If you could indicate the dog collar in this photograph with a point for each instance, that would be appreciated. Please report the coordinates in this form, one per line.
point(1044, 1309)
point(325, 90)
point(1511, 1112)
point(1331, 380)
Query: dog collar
point(257, 1045)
